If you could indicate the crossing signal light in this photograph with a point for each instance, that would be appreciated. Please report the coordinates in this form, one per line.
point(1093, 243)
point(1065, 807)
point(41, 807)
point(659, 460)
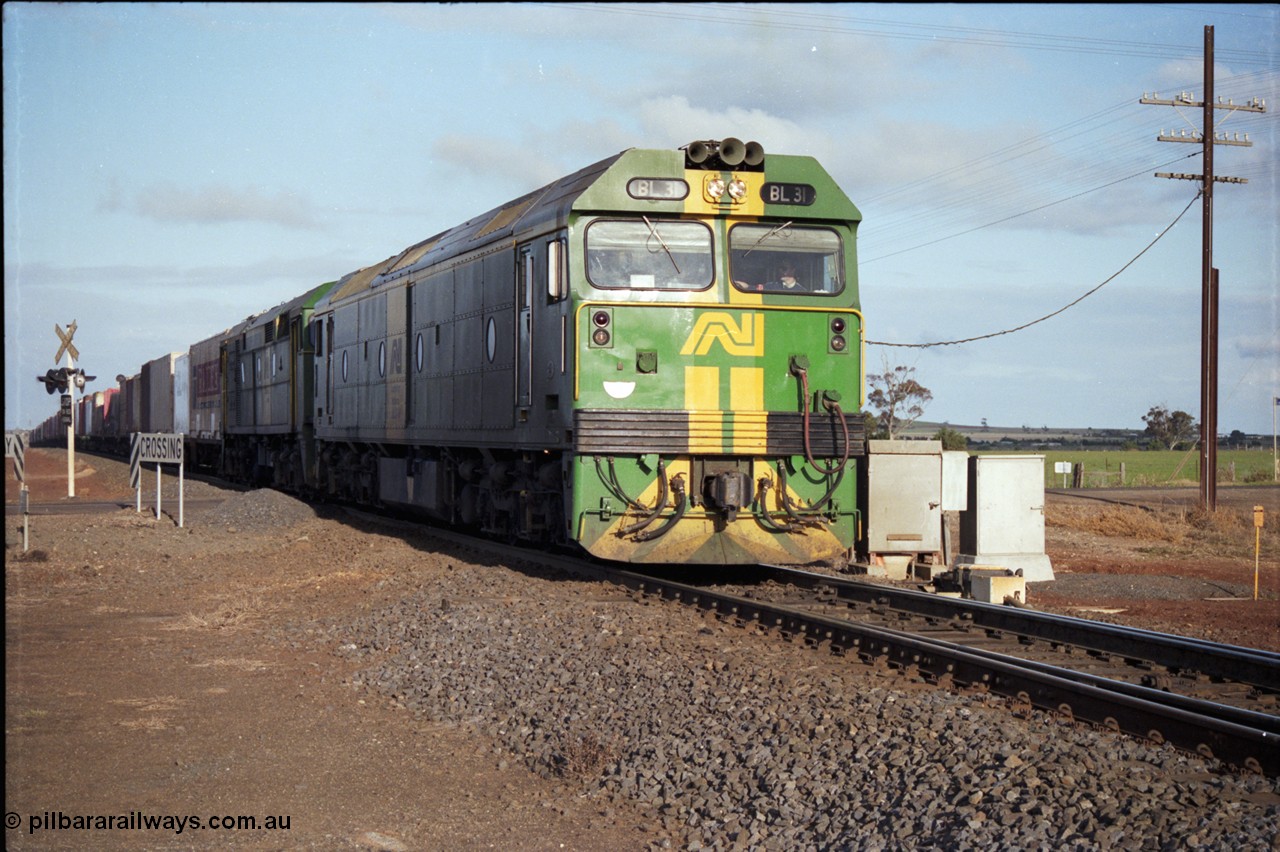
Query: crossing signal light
point(60, 380)
point(55, 380)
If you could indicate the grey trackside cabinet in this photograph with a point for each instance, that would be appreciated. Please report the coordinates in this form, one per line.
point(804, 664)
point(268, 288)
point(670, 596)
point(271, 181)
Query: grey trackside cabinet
point(903, 509)
point(1003, 526)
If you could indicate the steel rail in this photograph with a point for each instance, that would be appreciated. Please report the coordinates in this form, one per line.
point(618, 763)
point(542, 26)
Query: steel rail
point(1255, 667)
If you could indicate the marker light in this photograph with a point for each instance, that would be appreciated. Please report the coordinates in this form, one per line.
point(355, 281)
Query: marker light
point(601, 335)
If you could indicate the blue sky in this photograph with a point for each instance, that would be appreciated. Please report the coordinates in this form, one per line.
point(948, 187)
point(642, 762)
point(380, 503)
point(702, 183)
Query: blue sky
point(171, 168)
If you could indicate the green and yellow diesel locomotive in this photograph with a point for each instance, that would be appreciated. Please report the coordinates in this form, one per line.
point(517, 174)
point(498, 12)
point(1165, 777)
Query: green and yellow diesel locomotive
point(658, 358)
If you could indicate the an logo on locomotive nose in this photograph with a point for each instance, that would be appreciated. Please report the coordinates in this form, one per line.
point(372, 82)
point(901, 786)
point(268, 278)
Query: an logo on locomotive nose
point(745, 338)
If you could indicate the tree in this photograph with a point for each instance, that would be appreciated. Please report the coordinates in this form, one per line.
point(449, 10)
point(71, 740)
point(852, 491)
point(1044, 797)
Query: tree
point(951, 439)
point(898, 397)
point(1169, 429)
point(871, 425)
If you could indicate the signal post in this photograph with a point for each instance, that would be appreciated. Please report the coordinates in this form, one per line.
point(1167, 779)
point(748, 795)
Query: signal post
point(67, 380)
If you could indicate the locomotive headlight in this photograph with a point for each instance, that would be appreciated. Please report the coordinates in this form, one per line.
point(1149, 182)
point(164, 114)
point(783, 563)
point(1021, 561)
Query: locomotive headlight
point(737, 190)
point(715, 189)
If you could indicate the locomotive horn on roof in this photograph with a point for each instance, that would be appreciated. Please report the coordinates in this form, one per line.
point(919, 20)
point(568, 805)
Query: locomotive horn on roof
point(698, 153)
point(732, 152)
point(729, 153)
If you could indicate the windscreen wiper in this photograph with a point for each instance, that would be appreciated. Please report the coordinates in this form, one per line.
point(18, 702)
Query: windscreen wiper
point(767, 235)
point(662, 243)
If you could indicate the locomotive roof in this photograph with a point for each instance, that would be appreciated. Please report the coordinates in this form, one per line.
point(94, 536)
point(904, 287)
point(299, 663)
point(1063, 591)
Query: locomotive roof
point(585, 190)
point(306, 300)
point(552, 201)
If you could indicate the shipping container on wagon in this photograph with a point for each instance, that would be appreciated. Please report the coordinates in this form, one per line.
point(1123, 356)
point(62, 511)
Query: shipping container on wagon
point(205, 391)
point(84, 416)
point(157, 394)
point(103, 402)
point(130, 419)
point(181, 393)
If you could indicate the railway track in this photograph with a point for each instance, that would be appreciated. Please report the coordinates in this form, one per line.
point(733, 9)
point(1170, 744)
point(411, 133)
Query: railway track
point(1216, 700)
point(1120, 678)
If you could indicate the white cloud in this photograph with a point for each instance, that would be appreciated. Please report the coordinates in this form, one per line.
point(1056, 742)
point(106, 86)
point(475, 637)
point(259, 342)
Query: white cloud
point(219, 204)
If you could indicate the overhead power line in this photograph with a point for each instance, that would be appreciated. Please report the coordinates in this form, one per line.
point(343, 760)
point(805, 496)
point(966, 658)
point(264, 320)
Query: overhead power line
point(785, 18)
point(864, 261)
point(1046, 316)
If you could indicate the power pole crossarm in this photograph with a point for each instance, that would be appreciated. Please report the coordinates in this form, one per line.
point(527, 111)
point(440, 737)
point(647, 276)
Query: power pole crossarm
point(1185, 176)
point(1195, 137)
point(1185, 99)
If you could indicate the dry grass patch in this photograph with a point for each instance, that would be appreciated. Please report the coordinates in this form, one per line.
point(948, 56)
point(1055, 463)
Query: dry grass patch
point(1192, 531)
point(239, 610)
point(1116, 522)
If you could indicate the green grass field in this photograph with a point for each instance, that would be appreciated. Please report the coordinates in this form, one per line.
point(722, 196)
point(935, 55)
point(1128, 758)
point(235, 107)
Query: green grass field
point(1145, 468)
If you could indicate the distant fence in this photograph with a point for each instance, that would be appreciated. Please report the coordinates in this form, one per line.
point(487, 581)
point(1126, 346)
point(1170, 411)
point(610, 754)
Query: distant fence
point(1083, 477)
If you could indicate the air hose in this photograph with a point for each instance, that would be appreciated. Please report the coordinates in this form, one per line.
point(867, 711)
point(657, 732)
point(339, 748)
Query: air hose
point(762, 510)
point(831, 406)
point(659, 504)
point(677, 486)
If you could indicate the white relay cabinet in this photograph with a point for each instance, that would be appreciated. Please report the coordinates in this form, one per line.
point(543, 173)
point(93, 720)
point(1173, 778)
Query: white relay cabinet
point(1003, 526)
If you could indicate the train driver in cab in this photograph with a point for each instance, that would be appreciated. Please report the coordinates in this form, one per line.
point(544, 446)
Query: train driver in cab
point(786, 281)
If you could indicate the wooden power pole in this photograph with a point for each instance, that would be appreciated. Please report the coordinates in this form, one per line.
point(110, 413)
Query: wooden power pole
point(1207, 138)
